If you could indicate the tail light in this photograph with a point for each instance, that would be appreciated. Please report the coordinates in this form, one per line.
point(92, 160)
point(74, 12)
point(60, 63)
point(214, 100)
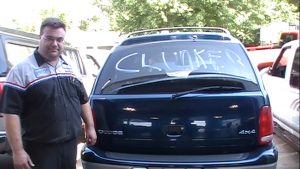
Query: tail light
point(265, 125)
point(1, 89)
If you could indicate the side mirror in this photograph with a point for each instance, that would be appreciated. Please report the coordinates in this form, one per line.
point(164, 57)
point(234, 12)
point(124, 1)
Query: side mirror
point(94, 75)
point(263, 65)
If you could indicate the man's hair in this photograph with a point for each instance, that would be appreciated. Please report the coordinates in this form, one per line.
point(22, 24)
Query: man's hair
point(53, 23)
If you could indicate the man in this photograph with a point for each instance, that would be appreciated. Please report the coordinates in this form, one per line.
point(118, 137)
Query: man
point(43, 102)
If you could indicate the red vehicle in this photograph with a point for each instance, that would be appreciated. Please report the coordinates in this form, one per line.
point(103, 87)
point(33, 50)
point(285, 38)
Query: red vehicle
point(264, 55)
point(285, 37)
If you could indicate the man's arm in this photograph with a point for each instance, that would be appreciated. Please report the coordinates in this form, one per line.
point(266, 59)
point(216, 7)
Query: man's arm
point(13, 130)
point(87, 117)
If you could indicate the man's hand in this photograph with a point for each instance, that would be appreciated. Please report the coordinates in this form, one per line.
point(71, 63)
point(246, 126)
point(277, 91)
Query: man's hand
point(22, 160)
point(13, 130)
point(91, 136)
point(90, 133)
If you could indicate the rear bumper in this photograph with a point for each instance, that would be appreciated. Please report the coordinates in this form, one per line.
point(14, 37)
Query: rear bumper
point(87, 165)
point(264, 158)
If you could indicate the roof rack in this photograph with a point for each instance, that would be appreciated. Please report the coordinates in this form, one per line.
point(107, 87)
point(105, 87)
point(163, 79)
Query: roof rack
point(28, 35)
point(177, 29)
point(18, 33)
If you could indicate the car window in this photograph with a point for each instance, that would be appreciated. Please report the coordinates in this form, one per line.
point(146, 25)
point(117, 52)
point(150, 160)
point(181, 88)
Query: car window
point(287, 37)
point(73, 58)
point(179, 59)
point(79, 62)
point(17, 52)
point(294, 80)
point(279, 67)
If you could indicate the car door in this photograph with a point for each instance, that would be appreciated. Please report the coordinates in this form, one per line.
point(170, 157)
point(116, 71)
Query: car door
point(294, 90)
point(283, 92)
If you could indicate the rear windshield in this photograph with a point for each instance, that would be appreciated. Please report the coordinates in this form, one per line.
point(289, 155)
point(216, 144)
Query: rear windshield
point(180, 59)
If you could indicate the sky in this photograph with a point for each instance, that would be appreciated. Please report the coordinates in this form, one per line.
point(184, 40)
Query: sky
point(27, 12)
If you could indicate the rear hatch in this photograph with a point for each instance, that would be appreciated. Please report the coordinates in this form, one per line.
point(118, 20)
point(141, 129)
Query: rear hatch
point(173, 116)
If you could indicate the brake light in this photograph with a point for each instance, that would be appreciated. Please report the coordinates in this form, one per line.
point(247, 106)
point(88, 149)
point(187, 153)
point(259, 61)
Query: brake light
point(1, 89)
point(265, 125)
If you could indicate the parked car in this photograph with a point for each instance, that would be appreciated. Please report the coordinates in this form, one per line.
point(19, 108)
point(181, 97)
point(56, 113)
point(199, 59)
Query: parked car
point(281, 80)
point(15, 46)
point(184, 97)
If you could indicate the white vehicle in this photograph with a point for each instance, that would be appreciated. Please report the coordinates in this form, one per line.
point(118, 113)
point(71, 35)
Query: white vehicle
point(281, 81)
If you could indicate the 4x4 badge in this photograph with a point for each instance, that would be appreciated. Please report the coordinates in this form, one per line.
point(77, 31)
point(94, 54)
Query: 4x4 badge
point(247, 132)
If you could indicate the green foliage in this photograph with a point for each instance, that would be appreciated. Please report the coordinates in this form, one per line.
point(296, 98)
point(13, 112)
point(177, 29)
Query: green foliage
point(83, 25)
point(296, 3)
point(53, 13)
point(241, 17)
point(22, 27)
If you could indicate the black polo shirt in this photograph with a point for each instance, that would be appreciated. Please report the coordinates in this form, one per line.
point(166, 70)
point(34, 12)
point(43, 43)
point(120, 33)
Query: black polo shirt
point(48, 99)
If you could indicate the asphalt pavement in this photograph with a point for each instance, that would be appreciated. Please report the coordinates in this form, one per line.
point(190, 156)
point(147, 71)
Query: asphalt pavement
point(288, 157)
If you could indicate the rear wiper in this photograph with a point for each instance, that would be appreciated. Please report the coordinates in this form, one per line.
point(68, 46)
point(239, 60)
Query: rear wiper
point(177, 95)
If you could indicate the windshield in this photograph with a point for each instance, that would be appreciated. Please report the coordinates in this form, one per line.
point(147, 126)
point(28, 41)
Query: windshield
point(180, 59)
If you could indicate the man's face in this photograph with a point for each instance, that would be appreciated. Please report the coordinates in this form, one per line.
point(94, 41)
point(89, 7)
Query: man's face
point(52, 43)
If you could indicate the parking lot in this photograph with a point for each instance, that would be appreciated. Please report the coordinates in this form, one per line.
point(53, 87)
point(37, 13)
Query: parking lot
point(288, 157)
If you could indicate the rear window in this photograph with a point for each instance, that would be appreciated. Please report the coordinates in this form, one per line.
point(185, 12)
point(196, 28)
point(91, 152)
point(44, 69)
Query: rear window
point(287, 37)
point(176, 59)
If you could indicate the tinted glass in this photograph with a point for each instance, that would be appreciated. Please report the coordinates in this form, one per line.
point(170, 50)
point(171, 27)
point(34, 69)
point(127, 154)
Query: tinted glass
point(279, 68)
point(294, 80)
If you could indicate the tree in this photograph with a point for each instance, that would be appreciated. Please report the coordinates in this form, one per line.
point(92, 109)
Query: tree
point(241, 17)
point(53, 13)
point(296, 3)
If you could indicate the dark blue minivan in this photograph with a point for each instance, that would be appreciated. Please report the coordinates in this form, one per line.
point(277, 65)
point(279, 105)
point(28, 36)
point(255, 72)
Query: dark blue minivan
point(180, 98)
